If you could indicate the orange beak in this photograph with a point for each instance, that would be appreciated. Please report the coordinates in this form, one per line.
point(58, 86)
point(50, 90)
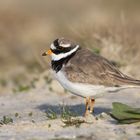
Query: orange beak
point(49, 52)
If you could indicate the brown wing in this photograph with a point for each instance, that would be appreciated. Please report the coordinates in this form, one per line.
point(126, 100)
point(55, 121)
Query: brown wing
point(87, 67)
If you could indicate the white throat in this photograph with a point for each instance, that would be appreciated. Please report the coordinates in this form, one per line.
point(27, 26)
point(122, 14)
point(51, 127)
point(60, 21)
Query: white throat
point(56, 57)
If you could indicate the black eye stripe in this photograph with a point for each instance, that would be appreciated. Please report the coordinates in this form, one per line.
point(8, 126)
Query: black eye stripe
point(56, 51)
point(59, 47)
point(61, 50)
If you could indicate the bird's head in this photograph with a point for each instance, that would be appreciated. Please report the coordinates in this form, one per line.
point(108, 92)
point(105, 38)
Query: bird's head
point(61, 48)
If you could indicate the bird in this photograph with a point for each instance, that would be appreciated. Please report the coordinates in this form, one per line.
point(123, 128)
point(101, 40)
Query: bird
point(85, 73)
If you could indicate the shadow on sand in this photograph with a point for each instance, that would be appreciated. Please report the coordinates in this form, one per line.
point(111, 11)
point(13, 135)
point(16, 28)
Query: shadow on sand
point(76, 109)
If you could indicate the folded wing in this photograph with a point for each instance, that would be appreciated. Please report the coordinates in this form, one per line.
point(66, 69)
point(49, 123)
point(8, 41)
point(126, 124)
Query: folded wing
point(87, 67)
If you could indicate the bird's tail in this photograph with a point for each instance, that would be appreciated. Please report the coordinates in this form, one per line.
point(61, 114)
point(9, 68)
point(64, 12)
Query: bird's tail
point(130, 81)
point(125, 80)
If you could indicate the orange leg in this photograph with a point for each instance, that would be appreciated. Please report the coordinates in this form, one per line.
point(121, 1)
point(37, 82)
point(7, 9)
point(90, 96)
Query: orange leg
point(92, 102)
point(87, 106)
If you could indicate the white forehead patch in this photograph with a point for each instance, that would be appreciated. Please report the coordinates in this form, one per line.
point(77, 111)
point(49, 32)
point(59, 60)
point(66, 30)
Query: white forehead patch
point(53, 47)
point(65, 45)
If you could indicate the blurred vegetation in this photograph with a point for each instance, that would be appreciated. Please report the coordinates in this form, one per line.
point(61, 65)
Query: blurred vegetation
point(125, 114)
point(6, 120)
point(110, 28)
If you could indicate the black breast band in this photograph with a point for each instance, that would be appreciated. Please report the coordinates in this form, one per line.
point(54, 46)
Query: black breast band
point(57, 65)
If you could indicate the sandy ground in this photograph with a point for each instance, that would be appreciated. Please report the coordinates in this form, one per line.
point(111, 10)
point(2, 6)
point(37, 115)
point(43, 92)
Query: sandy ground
point(32, 123)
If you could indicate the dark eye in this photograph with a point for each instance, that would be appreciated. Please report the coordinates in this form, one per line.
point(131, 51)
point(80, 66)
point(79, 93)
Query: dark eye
point(56, 43)
point(60, 48)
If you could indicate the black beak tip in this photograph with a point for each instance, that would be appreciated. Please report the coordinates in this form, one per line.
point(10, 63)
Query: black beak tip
point(44, 54)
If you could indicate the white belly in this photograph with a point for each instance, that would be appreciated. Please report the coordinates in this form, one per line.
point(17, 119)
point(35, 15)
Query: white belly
point(80, 89)
point(86, 90)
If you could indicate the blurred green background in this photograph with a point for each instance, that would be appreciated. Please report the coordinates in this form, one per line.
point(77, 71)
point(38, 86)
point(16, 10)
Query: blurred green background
point(27, 28)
